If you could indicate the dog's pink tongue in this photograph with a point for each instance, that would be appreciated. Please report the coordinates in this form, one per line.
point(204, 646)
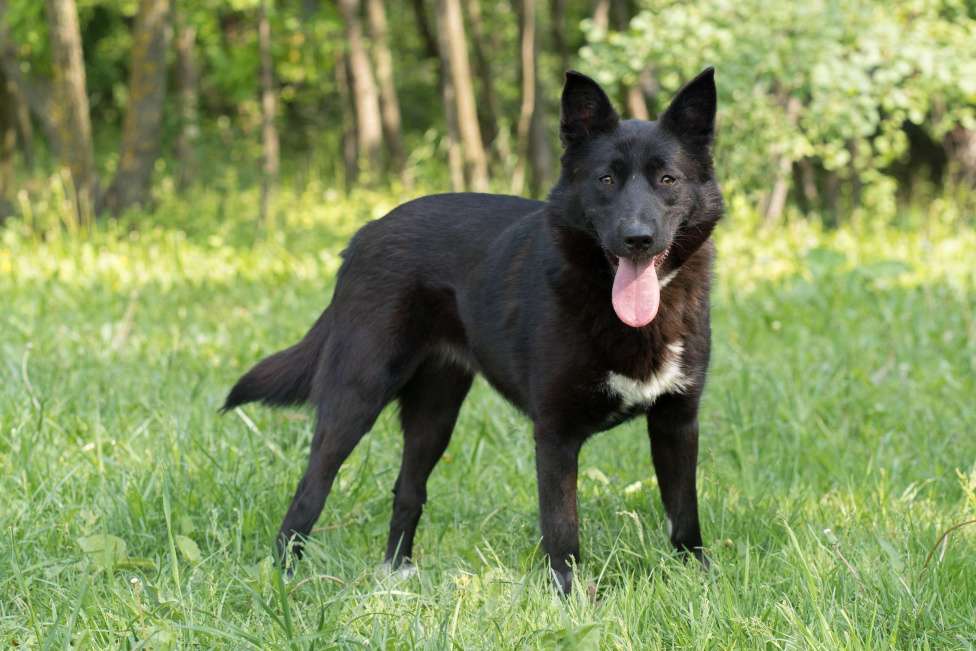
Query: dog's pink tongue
point(636, 292)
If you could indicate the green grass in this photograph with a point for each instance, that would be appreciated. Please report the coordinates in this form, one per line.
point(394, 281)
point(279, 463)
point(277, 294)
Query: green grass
point(839, 441)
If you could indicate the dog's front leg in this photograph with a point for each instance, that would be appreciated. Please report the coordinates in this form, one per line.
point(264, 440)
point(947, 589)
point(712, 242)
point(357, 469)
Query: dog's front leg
point(557, 461)
point(673, 428)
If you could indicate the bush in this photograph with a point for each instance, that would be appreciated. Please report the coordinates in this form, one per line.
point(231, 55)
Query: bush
point(865, 102)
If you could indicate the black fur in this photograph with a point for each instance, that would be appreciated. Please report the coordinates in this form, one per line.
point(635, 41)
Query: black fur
point(284, 378)
point(451, 285)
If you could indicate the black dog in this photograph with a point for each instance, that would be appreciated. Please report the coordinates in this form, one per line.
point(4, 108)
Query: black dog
point(584, 311)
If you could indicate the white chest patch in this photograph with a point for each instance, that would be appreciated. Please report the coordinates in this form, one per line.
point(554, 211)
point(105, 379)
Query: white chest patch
point(667, 279)
point(668, 378)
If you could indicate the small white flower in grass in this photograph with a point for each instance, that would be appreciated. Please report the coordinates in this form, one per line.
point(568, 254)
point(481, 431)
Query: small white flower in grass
point(633, 488)
point(596, 475)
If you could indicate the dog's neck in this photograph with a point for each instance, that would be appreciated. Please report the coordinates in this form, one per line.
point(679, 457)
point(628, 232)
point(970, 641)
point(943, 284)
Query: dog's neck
point(578, 246)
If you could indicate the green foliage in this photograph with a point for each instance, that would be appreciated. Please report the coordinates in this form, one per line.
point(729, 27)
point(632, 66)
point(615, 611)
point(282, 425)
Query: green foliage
point(834, 82)
point(837, 446)
point(849, 103)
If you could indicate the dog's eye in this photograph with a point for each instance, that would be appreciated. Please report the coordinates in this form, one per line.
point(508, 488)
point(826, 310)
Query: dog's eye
point(606, 180)
point(667, 179)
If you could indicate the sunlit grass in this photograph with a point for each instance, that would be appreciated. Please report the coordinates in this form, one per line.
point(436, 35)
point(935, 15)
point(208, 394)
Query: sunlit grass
point(839, 441)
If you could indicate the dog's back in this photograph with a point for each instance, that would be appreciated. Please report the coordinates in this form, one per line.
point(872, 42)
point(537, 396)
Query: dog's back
point(419, 252)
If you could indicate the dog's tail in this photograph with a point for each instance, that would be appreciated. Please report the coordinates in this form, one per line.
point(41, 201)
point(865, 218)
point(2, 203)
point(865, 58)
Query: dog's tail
point(284, 378)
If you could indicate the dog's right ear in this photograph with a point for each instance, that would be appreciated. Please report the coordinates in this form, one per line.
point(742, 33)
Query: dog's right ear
point(586, 110)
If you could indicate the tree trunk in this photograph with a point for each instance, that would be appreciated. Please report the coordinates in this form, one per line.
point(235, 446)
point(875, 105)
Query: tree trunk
point(781, 186)
point(601, 16)
point(142, 129)
point(960, 146)
point(540, 153)
point(187, 80)
point(369, 130)
point(17, 114)
point(69, 108)
point(558, 27)
point(527, 52)
point(807, 177)
point(488, 116)
point(456, 53)
point(269, 106)
point(28, 96)
point(389, 105)
point(636, 105)
point(432, 49)
point(8, 142)
point(455, 159)
point(423, 27)
point(534, 163)
point(620, 13)
point(350, 159)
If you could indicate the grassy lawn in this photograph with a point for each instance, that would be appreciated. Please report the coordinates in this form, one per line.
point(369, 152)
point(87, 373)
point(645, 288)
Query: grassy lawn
point(839, 442)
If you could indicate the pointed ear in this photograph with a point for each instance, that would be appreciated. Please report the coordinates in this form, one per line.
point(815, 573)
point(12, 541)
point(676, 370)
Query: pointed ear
point(691, 115)
point(585, 110)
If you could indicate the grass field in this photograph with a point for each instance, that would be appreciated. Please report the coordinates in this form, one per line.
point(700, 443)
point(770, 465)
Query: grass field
point(839, 442)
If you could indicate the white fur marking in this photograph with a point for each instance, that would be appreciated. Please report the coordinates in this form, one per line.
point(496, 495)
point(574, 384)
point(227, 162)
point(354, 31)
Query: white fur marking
point(670, 526)
point(668, 378)
point(664, 281)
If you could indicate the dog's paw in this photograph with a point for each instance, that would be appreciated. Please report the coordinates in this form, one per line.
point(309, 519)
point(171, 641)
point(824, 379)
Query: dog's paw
point(406, 570)
point(288, 573)
point(563, 581)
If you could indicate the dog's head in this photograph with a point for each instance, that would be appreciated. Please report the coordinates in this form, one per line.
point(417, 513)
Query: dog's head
point(644, 190)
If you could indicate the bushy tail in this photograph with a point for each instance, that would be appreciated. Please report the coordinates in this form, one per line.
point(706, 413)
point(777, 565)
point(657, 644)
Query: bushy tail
point(284, 378)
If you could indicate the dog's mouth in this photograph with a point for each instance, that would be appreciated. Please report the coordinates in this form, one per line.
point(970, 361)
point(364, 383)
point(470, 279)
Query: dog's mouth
point(636, 293)
point(658, 259)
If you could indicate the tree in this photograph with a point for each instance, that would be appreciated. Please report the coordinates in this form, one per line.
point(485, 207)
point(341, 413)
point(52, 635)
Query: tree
point(389, 105)
point(17, 114)
point(27, 96)
point(431, 47)
point(618, 13)
point(8, 141)
point(369, 131)
point(269, 102)
point(350, 159)
point(187, 83)
point(487, 101)
point(69, 108)
point(142, 129)
point(960, 146)
point(558, 28)
point(455, 157)
point(535, 160)
point(454, 52)
point(432, 50)
point(846, 113)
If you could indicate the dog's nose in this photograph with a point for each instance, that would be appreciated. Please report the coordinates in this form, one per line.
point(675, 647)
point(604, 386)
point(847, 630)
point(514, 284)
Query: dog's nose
point(638, 239)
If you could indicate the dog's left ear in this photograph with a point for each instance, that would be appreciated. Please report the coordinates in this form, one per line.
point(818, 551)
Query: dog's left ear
point(691, 115)
point(585, 110)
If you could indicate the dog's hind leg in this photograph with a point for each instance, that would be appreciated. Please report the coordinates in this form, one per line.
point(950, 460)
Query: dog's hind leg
point(352, 390)
point(429, 406)
point(335, 438)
